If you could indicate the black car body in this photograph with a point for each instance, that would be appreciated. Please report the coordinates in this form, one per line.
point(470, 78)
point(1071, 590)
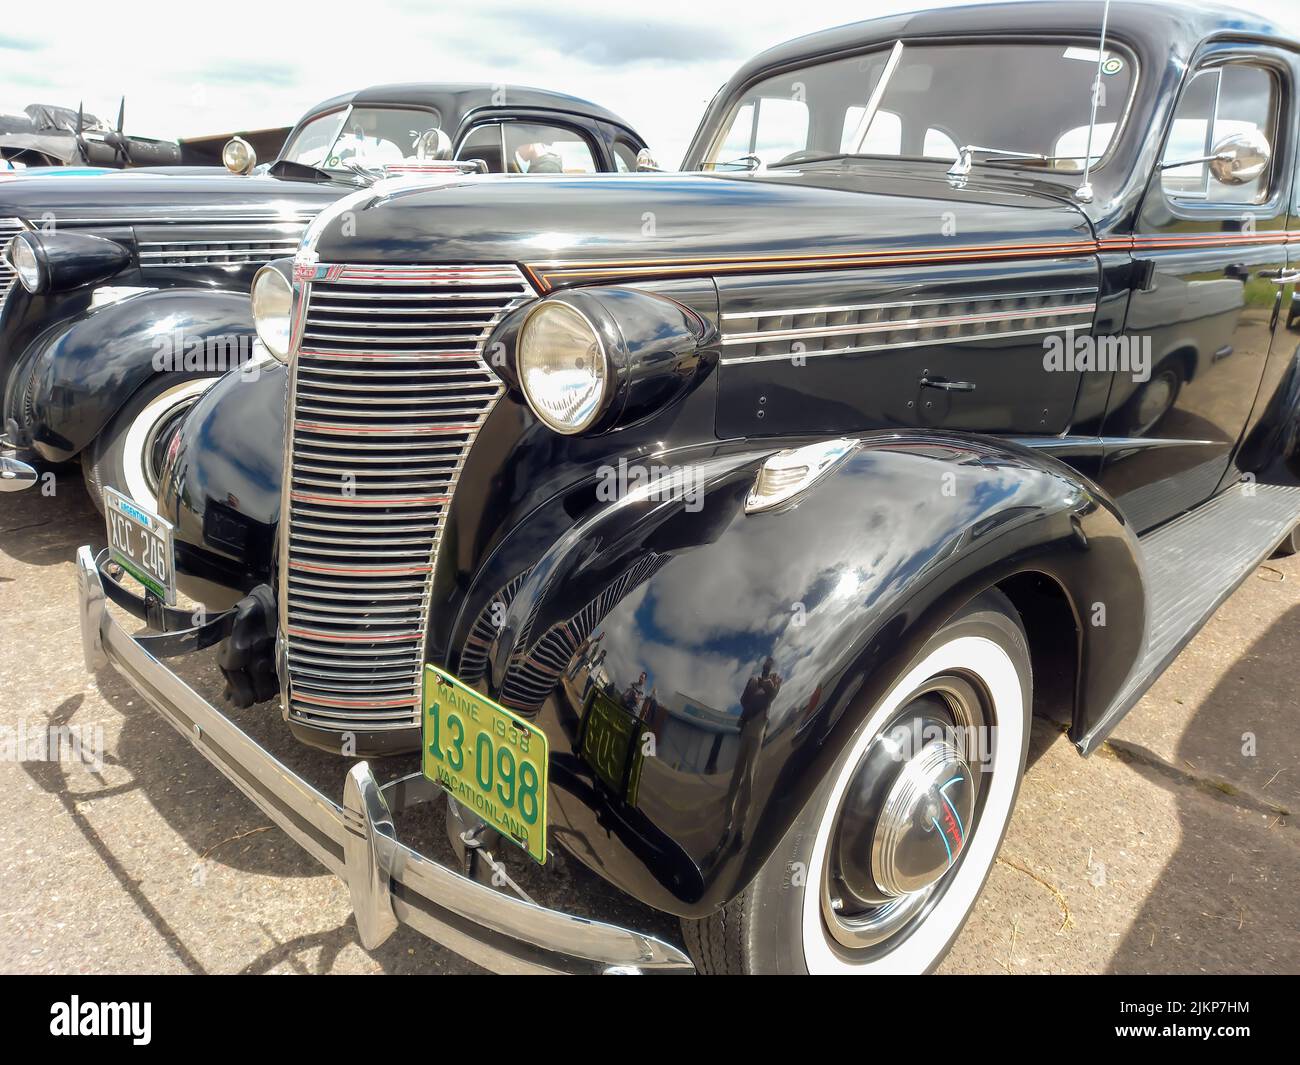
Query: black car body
point(868, 417)
point(80, 358)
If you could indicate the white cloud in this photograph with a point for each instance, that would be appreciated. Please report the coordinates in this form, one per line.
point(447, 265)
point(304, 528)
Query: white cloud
point(187, 70)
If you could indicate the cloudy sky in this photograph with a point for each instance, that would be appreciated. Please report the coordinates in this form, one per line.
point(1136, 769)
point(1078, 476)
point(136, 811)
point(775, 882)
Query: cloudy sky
point(190, 69)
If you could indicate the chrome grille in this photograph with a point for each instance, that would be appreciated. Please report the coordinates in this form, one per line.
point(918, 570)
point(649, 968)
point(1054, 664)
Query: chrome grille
point(217, 245)
point(9, 228)
point(388, 391)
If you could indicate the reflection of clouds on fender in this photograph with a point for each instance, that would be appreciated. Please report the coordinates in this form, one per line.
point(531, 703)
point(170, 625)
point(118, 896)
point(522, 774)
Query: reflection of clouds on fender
point(703, 625)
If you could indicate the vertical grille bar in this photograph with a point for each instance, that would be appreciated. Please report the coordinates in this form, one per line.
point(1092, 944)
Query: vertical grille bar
point(9, 228)
point(388, 390)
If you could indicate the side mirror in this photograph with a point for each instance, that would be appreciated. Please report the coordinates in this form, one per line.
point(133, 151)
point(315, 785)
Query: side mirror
point(238, 155)
point(645, 162)
point(1240, 158)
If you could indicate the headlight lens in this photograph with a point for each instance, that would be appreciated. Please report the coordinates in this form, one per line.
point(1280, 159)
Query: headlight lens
point(22, 256)
point(238, 155)
point(272, 308)
point(562, 367)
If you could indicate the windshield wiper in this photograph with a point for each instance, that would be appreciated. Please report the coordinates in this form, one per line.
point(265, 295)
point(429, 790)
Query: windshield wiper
point(966, 158)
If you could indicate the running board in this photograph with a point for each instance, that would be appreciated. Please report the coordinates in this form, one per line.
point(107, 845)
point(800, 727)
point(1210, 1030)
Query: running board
point(1192, 565)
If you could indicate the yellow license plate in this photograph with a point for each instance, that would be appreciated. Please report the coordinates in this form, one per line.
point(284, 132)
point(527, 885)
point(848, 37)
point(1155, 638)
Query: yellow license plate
point(489, 760)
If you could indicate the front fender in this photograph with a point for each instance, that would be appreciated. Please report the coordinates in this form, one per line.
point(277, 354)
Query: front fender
point(92, 364)
point(220, 485)
point(653, 618)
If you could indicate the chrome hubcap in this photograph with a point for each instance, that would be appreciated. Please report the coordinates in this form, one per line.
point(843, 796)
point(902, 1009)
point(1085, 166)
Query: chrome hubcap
point(922, 827)
point(905, 818)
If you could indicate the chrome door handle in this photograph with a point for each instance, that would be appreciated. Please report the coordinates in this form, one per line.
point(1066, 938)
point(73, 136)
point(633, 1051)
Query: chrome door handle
point(1283, 278)
point(944, 385)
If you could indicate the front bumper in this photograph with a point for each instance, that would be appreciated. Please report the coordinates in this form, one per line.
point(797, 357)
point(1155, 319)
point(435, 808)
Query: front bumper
point(390, 883)
point(15, 474)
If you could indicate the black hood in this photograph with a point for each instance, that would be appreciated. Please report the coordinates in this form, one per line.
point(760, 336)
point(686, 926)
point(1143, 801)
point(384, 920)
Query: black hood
point(201, 193)
point(576, 229)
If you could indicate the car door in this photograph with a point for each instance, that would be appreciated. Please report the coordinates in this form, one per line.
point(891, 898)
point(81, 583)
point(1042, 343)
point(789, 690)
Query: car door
point(1199, 323)
point(1269, 438)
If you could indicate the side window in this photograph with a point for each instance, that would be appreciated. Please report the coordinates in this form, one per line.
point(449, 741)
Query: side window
point(938, 145)
point(1232, 99)
point(885, 137)
point(537, 149)
point(781, 129)
point(739, 136)
point(624, 157)
point(484, 142)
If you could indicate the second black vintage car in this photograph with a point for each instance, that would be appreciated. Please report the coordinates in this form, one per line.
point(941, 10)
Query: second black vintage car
point(724, 529)
point(131, 290)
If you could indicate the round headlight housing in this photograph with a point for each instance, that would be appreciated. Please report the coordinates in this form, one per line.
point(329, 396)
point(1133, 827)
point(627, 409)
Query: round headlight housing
point(27, 262)
point(563, 367)
point(272, 310)
point(238, 156)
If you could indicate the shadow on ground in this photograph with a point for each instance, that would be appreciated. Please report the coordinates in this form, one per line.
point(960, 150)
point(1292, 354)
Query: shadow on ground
point(1225, 901)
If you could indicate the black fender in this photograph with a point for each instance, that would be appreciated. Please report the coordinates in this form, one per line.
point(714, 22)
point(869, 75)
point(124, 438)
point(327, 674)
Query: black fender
point(651, 617)
point(90, 365)
point(220, 485)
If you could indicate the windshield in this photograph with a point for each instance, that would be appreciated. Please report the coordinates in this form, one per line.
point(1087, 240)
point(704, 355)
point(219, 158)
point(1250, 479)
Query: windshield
point(371, 137)
point(1023, 97)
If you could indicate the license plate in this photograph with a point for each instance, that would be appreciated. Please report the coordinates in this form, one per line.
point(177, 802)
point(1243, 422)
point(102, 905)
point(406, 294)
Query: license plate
point(612, 744)
point(141, 543)
point(489, 760)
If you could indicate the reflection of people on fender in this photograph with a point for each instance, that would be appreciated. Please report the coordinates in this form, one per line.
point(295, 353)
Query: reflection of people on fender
point(634, 694)
point(755, 702)
point(584, 653)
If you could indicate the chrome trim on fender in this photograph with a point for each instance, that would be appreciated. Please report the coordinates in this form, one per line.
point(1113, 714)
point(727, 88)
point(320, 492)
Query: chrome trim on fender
point(390, 883)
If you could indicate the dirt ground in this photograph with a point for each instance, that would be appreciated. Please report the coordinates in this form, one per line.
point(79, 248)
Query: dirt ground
point(1173, 849)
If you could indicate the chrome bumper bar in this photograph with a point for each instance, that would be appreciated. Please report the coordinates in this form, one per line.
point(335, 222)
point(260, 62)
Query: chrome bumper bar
point(390, 883)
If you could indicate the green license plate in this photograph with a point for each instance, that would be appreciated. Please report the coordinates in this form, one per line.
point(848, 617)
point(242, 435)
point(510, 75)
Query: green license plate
point(141, 543)
point(489, 760)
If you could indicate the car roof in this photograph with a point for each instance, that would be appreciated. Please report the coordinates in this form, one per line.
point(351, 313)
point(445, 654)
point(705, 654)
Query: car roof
point(457, 99)
point(1183, 25)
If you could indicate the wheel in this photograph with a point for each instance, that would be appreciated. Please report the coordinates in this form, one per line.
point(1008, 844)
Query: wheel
point(1156, 398)
point(882, 867)
point(128, 454)
point(1290, 544)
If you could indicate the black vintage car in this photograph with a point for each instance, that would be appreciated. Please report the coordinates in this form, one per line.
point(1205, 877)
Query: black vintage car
point(724, 528)
point(132, 290)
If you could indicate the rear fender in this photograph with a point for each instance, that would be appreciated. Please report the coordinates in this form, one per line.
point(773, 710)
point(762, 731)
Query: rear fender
point(655, 617)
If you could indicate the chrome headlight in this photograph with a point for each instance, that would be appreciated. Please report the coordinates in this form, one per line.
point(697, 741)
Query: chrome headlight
point(28, 262)
point(238, 156)
point(563, 368)
point(272, 310)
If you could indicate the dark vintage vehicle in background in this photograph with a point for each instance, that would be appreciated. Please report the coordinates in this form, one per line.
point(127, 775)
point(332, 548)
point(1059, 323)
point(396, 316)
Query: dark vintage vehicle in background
point(723, 529)
point(45, 136)
point(126, 295)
